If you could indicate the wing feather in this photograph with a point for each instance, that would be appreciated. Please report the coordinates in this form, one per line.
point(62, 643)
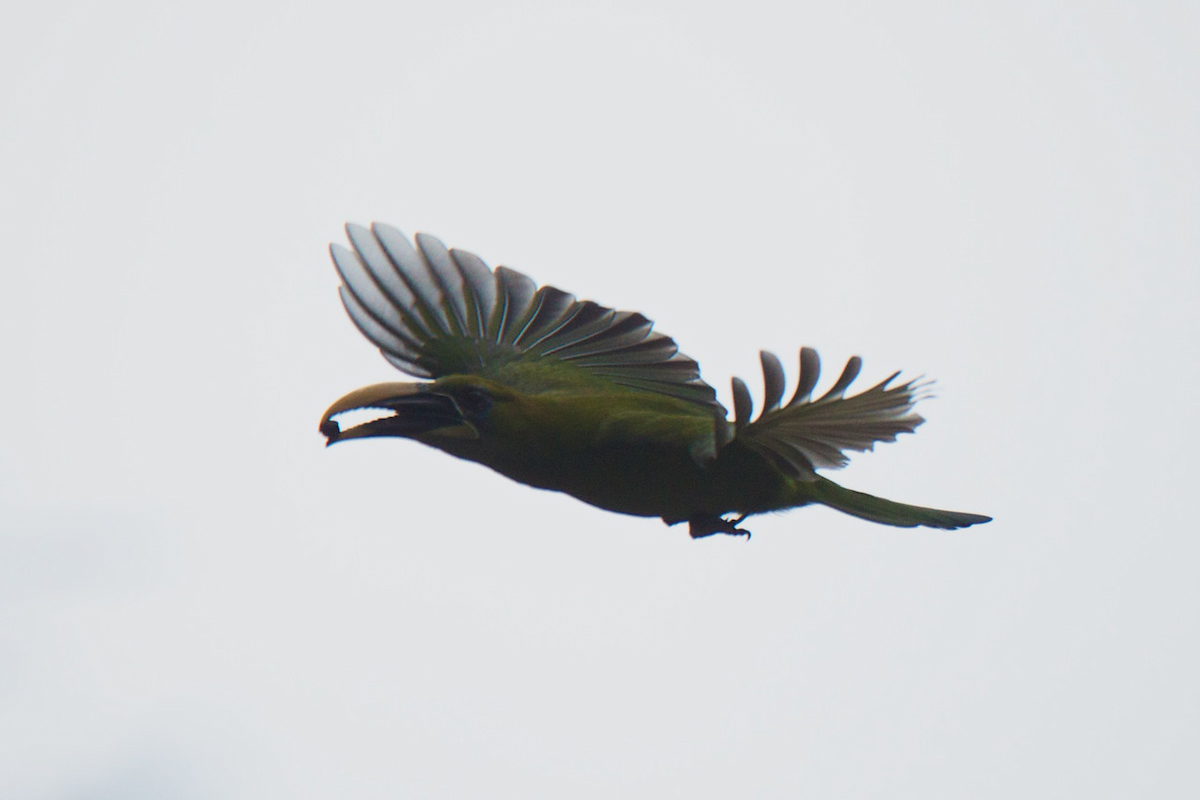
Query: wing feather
point(773, 380)
point(519, 293)
point(810, 371)
point(434, 311)
point(480, 285)
point(808, 434)
point(743, 403)
point(609, 334)
point(370, 299)
point(384, 337)
point(555, 308)
point(395, 266)
point(450, 283)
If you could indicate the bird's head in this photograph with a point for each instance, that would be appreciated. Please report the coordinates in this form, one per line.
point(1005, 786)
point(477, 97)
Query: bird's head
point(454, 408)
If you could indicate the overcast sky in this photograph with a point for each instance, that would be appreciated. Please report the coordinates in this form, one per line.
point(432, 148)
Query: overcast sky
point(198, 600)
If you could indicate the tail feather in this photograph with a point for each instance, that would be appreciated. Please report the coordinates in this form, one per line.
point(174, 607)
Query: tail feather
point(887, 512)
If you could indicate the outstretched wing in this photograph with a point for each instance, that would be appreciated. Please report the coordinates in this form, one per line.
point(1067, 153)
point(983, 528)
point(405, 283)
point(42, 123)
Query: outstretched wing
point(808, 434)
point(434, 312)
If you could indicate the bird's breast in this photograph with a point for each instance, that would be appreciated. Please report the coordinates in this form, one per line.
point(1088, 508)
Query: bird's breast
point(642, 479)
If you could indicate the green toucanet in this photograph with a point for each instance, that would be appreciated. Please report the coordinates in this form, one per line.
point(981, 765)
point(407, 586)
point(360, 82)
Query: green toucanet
point(572, 396)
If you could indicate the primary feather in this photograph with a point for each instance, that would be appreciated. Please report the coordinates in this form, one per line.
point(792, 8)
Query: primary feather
point(435, 312)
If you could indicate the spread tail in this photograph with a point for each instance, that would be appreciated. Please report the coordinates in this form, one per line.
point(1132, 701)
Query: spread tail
point(887, 512)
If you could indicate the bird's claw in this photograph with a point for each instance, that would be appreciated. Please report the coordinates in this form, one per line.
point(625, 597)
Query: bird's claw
point(709, 524)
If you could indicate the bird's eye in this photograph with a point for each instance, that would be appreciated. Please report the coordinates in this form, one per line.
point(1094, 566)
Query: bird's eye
point(473, 402)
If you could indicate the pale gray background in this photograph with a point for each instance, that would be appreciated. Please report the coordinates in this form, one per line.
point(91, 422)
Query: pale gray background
point(198, 600)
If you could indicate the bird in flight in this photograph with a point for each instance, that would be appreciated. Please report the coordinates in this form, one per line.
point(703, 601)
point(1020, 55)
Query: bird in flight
point(575, 397)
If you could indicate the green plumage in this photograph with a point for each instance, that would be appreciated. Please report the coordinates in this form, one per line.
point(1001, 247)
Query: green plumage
point(575, 397)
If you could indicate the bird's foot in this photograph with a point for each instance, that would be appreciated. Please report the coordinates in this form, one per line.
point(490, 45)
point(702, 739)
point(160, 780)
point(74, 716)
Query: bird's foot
point(709, 524)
